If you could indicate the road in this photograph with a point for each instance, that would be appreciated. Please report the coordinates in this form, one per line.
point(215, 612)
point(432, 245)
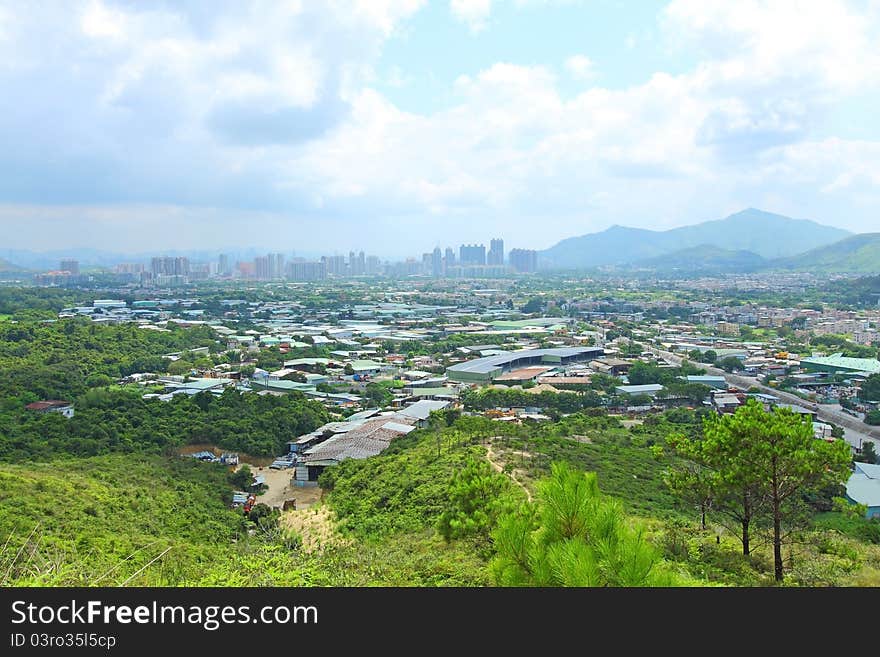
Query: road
point(855, 433)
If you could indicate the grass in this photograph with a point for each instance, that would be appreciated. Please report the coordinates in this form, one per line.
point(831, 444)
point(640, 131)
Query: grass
point(100, 520)
point(155, 521)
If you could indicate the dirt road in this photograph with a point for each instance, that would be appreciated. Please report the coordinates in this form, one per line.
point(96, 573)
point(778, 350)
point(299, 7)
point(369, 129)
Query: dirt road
point(493, 460)
point(279, 489)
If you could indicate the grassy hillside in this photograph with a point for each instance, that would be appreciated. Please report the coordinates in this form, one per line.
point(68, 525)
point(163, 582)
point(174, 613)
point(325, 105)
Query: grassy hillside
point(98, 521)
point(859, 254)
point(148, 520)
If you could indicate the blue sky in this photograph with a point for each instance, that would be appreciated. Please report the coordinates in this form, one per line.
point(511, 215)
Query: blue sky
point(397, 125)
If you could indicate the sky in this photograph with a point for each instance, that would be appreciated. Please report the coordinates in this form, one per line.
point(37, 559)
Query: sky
point(393, 126)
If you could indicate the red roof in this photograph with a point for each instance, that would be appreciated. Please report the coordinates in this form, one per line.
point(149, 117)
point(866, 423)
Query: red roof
point(46, 405)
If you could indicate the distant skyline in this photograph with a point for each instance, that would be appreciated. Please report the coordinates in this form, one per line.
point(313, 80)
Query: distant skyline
point(395, 126)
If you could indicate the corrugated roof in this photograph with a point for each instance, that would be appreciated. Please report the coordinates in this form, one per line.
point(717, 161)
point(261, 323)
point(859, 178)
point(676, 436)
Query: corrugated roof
point(367, 439)
point(422, 408)
point(863, 489)
point(869, 470)
point(490, 363)
point(845, 362)
point(637, 390)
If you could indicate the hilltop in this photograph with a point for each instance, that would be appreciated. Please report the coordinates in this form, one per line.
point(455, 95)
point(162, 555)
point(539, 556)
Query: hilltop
point(765, 234)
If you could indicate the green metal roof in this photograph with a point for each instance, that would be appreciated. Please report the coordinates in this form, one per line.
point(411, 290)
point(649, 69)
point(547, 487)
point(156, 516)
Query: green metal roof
point(870, 365)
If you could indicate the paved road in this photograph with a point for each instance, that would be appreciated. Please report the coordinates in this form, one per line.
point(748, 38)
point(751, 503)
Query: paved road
point(856, 430)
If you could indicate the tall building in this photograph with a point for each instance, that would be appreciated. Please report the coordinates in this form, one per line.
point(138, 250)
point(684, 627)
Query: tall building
point(450, 256)
point(427, 263)
point(496, 252)
point(472, 254)
point(261, 268)
point(70, 265)
point(524, 260)
point(163, 265)
point(276, 265)
point(372, 266)
point(335, 265)
point(199, 271)
point(299, 270)
point(224, 267)
point(129, 268)
point(436, 263)
point(361, 264)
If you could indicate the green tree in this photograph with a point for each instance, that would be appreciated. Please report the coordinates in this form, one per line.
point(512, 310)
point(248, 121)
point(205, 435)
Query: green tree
point(764, 463)
point(694, 484)
point(730, 364)
point(872, 417)
point(869, 452)
point(694, 392)
point(870, 390)
point(573, 536)
point(179, 367)
point(477, 495)
point(242, 478)
point(723, 451)
point(709, 356)
point(792, 462)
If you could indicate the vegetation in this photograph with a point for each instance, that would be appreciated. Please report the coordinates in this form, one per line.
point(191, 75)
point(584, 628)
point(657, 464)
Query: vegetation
point(108, 520)
point(564, 402)
point(55, 360)
point(573, 536)
point(758, 464)
point(840, 343)
point(644, 373)
point(121, 421)
point(870, 390)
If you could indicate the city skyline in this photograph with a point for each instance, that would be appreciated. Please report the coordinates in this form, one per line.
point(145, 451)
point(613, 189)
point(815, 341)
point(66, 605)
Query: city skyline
point(542, 120)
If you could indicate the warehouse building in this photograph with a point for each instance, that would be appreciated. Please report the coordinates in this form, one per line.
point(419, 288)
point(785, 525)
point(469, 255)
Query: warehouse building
point(484, 370)
point(837, 363)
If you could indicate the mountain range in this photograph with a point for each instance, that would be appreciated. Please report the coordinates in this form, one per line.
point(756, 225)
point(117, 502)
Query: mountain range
point(748, 241)
point(763, 233)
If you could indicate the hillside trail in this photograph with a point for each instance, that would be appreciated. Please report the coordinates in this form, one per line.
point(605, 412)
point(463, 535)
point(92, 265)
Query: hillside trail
point(491, 456)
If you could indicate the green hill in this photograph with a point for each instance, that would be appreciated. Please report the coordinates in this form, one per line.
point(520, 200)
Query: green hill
point(99, 520)
point(705, 259)
point(859, 254)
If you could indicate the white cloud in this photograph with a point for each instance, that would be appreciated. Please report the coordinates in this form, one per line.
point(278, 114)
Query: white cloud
point(717, 136)
point(580, 67)
point(473, 12)
point(271, 108)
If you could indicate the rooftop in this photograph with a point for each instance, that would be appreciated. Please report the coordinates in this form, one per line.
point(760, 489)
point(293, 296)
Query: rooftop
point(863, 485)
point(871, 365)
point(422, 409)
point(489, 363)
point(47, 404)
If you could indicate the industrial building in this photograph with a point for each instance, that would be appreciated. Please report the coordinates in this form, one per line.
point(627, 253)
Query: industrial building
point(837, 363)
point(484, 370)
